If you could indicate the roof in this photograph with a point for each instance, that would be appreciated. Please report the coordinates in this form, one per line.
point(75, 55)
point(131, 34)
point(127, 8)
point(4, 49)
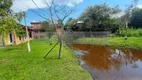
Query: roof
point(35, 22)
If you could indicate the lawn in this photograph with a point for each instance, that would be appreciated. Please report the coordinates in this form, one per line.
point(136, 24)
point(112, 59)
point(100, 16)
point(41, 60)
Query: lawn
point(17, 64)
point(117, 42)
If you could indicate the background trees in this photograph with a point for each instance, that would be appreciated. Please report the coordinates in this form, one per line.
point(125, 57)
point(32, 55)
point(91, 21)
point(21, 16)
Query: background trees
point(96, 18)
point(136, 19)
point(104, 18)
point(71, 24)
point(47, 26)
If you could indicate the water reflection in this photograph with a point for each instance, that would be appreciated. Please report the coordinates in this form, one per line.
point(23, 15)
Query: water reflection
point(111, 63)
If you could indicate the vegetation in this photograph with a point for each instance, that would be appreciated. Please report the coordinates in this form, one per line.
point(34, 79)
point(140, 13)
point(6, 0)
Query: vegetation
point(48, 27)
point(17, 64)
point(118, 42)
point(105, 18)
point(97, 18)
point(131, 32)
point(136, 19)
point(8, 19)
point(71, 24)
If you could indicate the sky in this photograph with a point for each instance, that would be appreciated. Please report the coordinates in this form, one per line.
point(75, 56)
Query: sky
point(25, 5)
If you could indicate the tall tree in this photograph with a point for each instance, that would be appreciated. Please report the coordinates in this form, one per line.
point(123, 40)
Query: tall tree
point(98, 17)
point(71, 24)
point(136, 18)
point(128, 13)
point(7, 20)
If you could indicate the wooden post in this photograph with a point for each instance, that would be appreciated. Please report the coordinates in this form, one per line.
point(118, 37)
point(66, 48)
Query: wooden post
point(59, 33)
point(60, 49)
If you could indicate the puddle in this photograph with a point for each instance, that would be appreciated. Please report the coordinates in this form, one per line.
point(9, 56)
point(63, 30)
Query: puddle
point(110, 63)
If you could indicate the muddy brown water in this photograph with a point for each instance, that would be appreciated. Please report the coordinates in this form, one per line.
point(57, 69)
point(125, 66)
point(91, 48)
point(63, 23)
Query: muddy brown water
point(110, 63)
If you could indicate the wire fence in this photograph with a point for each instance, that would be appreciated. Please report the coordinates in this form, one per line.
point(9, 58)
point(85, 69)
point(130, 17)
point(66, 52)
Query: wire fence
point(86, 37)
point(76, 37)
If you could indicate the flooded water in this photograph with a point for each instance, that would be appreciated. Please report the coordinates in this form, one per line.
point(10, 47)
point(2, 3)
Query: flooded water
point(110, 63)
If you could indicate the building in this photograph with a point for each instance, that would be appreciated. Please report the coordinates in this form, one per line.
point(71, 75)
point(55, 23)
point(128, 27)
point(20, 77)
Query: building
point(37, 30)
point(13, 39)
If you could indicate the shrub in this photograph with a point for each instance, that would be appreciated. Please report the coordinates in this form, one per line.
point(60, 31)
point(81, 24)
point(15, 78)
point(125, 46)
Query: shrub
point(140, 32)
point(131, 32)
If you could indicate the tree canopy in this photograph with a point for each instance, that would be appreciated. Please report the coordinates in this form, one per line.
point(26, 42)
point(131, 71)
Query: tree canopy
point(8, 20)
point(136, 19)
point(71, 24)
point(47, 26)
point(97, 18)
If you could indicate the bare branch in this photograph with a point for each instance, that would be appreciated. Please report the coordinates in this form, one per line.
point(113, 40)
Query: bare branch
point(35, 12)
point(61, 8)
point(38, 7)
point(67, 14)
point(50, 10)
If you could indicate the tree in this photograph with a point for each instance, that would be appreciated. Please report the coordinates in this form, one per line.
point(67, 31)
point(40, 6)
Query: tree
point(128, 13)
point(136, 19)
point(98, 17)
point(20, 32)
point(57, 15)
point(71, 24)
point(7, 18)
point(49, 28)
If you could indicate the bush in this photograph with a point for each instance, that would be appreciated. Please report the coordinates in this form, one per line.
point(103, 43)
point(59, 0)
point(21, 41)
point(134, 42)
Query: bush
point(131, 32)
point(140, 32)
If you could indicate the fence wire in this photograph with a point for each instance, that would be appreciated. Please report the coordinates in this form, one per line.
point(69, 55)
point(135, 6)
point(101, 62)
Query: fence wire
point(76, 37)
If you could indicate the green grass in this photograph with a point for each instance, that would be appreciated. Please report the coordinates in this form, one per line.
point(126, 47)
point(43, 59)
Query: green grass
point(131, 32)
point(117, 42)
point(17, 64)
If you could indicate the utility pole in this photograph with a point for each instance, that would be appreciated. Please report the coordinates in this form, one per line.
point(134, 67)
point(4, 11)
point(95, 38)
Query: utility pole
point(28, 44)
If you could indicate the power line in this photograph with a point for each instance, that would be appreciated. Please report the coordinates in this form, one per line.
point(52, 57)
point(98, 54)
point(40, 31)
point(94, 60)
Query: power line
point(38, 7)
point(35, 12)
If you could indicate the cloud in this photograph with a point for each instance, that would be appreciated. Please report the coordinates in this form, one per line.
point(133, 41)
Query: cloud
point(139, 6)
point(118, 15)
point(24, 5)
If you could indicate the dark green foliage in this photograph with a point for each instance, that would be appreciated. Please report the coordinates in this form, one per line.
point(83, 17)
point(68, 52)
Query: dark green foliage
point(136, 19)
point(47, 26)
point(71, 24)
point(5, 7)
point(21, 32)
point(8, 20)
point(98, 18)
